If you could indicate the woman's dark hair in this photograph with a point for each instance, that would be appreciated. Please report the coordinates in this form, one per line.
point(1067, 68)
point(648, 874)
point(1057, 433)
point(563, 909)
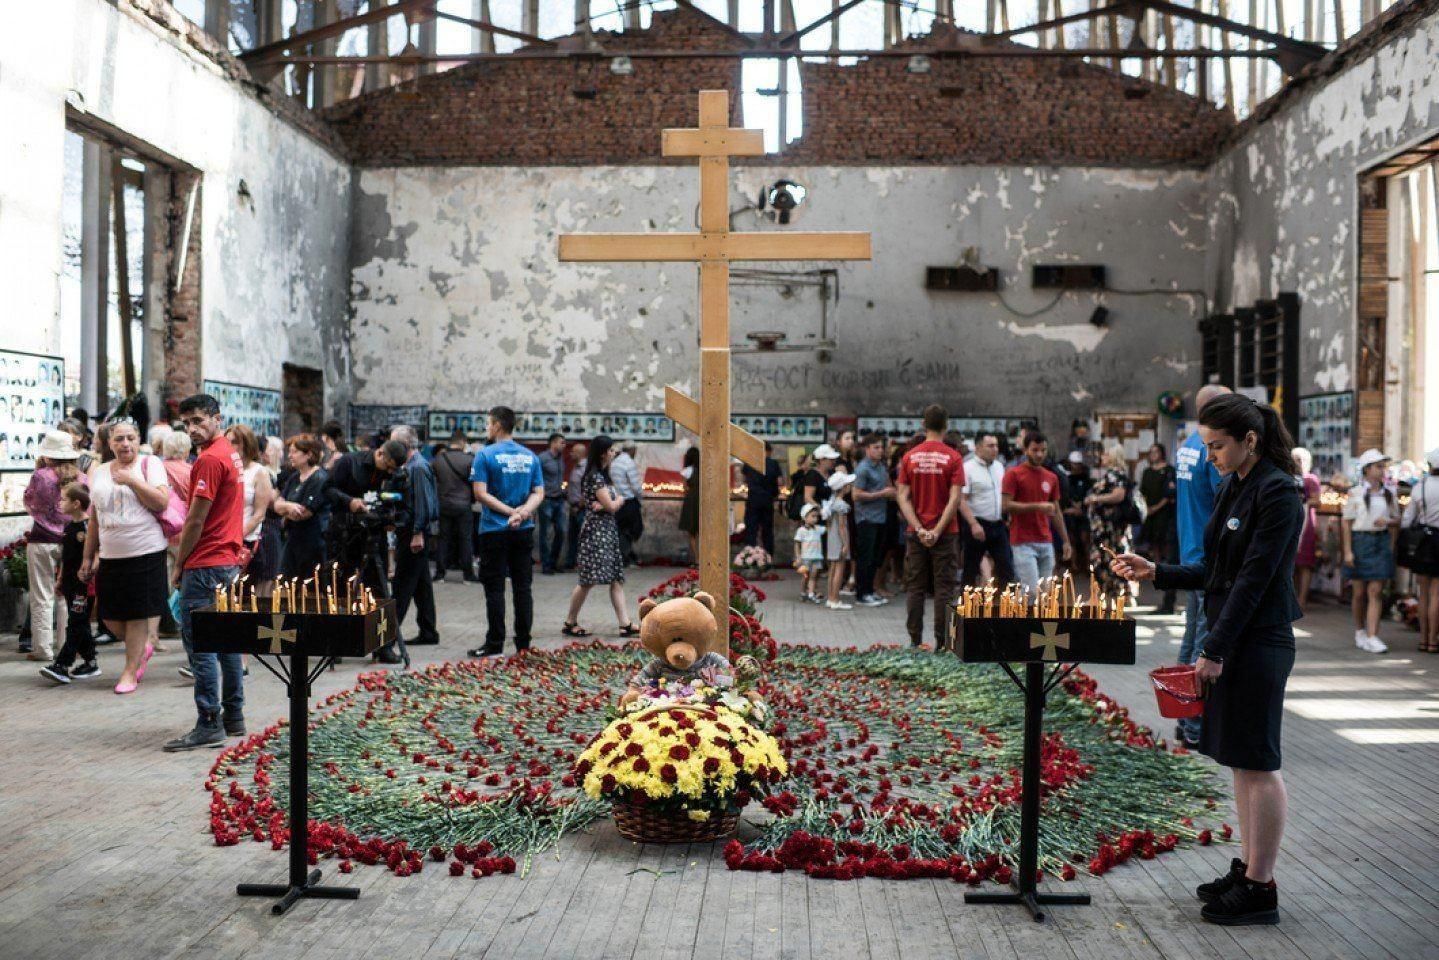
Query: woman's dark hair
point(309, 446)
point(335, 432)
point(1163, 453)
point(1238, 415)
point(691, 457)
point(599, 446)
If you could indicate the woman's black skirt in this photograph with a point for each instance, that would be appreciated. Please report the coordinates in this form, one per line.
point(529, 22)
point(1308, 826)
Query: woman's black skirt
point(1245, 706)
point(132, 588)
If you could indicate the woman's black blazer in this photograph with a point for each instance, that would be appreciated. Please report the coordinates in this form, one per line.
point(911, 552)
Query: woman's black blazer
point(1248, 571)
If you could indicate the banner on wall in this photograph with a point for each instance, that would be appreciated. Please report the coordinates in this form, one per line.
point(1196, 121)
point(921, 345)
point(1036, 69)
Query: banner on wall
point(32, 402)
point(785, 427)
point(902, 428)
point(255, 407)
point(639, 427)
point(371, 418)
point(1326, 430)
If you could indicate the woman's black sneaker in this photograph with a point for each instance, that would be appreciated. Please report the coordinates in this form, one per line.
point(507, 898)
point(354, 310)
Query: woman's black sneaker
point(1247, 903)
point(1214, 889)
point(85, 671)
point(55, 672)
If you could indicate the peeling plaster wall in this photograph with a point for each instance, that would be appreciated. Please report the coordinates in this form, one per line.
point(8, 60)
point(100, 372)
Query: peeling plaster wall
point(1284, 208)
point(459, 300)
point(274, 267)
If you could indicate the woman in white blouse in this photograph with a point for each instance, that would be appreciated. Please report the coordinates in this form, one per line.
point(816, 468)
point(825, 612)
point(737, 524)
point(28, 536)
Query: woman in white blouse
point(1423, 510)
point(126, 495)
point(1370, 527)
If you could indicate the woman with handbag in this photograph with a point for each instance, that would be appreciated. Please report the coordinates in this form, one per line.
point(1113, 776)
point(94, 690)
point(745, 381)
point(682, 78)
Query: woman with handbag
point(1419, 550)
point(126, 547)
point(1248, 583)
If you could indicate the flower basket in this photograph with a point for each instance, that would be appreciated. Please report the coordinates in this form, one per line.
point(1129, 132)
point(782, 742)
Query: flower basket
point(644, 823)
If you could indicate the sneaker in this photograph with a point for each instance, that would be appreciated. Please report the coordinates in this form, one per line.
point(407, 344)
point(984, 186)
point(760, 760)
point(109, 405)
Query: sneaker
point(817, 599)
point(387, 654)
point(53, 671)
point(846, 591)
point(88, 670)
point(1247, 903)
point(187, 673)
point(25, 646)
point(200, 736)
point(1218, 887)
point(484, 653)
point(839, 605)
point(1360, 639)
point(234, 726)
point(870, 601)
point(1375, 645)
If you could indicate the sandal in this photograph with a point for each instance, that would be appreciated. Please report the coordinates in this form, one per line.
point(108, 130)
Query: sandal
point(629, 630)
point(574, 630)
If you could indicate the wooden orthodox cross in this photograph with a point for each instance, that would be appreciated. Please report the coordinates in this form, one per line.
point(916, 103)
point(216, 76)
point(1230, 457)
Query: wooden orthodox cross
point(714, 248)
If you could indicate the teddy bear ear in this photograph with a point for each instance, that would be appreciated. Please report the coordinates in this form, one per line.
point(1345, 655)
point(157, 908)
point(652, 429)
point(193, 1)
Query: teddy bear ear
point(706, 599)
point(646, 605)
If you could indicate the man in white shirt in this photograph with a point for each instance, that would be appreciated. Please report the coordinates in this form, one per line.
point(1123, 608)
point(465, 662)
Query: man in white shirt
point(625, 476)
point(984, 477)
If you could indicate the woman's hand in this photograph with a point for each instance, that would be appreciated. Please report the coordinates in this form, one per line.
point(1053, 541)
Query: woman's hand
point(1207, 671)
point(87, 569)
point(122, 475)
point(1349, 558)
point(1131, 566)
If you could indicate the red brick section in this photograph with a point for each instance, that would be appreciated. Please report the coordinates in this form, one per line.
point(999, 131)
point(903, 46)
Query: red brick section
point(998, 110)
point(967, 110)
point(542, 111)
point(182, 318)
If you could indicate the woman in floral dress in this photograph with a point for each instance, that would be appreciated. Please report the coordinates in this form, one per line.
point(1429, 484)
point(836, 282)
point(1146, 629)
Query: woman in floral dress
point(1108, 506)
point(599, 559)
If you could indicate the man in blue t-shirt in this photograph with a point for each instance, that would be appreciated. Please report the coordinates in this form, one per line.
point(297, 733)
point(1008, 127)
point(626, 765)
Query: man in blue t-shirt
point(1196, 481)
point(510, 485)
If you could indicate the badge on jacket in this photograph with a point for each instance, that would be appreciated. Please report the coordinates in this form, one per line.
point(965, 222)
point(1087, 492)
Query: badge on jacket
point(1233, 523)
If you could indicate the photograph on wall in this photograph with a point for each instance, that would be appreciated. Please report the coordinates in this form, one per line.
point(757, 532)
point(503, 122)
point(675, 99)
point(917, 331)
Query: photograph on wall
point(1326, 429)
point(640, 427)
point(372, 418)
point(32, 402)
point(255, 407)
point(443, 424)
point(784, 427)
point(902, 428)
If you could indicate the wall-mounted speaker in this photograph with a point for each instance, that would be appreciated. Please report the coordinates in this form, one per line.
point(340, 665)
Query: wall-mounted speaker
point(1068, 276)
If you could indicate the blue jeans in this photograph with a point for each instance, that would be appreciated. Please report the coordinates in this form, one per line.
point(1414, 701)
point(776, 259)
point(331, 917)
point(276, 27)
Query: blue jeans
point(552, 532)
point(212, 670)
point(1033, 562)
point(1196, 630)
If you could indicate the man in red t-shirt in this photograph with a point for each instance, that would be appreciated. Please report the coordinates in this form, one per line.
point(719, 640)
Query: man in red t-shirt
point(931, 479)
point(1031, 498)
point(208, 556)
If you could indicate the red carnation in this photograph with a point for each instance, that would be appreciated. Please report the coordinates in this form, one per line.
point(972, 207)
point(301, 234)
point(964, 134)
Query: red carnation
point(679, 752)
point(668, 773)
point(641, 765)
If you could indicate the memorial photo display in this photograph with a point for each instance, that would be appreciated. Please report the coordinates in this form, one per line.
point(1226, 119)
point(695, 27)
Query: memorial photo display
point(784, 427)
point(902, 428)
point(255, 407)
point(640, 427)
point(1326, 429)
point(371, 418)
point(32, 402)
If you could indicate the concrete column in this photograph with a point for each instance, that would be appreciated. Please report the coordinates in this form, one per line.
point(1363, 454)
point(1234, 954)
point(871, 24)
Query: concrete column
point(426, 41)
point(94, 275)
point(157, 200)
point(377, 37)
point(217, 20)
point(484, 41)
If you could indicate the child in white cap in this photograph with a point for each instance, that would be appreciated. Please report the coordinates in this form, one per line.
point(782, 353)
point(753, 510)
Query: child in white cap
point(809, 551)
point(837, 547)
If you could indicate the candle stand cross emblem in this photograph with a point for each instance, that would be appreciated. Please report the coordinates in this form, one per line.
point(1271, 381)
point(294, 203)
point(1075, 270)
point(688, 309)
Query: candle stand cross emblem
point(1051, 640)
point(383, 627)
point(276, 634)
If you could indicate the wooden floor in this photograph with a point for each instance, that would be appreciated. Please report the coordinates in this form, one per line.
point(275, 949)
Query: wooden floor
point(104, 850)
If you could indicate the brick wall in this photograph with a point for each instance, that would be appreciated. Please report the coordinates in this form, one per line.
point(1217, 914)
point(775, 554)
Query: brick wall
point(966, 110)
point(544, 111)
point(990, 110)
point(182, 318)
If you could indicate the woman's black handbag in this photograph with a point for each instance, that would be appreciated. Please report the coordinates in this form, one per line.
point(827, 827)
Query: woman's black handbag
point(1419, 544)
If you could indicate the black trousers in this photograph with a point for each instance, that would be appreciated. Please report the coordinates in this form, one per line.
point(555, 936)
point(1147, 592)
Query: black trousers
point(631, 521)
point(996, 544)
point(507, 553)
point(572, 541)
point(79, 641)
point(454, 544)
point(868, 540)
point(412, 583)
point(759, 525)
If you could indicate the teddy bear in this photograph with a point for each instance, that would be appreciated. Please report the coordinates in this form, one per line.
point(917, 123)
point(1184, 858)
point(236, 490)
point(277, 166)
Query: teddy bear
point(682, 636)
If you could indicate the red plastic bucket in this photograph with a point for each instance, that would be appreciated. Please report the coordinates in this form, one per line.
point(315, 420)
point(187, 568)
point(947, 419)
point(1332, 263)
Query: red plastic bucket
point(1177, 690)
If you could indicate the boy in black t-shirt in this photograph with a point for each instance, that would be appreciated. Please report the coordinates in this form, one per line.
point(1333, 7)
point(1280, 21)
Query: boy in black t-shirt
point(79, 597)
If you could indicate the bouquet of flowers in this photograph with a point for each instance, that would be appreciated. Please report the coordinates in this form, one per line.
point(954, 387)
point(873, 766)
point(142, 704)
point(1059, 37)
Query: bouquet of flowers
point(753, 561)
point(716, 690)
point(17, 565)
point(744, 599)
point(680, 761)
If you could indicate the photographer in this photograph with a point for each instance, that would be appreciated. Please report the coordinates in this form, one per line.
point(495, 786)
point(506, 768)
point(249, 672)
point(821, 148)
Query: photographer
point(368, 494)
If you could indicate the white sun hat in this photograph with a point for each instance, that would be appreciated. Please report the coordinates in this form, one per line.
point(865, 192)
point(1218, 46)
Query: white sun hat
point(1371, 456)
point(58, 445)
point(825, 452)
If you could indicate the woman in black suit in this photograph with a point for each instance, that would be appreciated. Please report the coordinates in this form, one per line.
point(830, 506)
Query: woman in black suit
point(1247, 576)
